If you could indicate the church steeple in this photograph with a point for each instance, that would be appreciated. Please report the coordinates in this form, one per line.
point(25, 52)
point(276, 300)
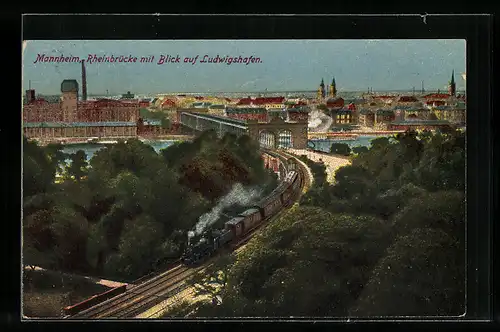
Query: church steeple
point(321, 90)
point(333, 89)
point(452, 86)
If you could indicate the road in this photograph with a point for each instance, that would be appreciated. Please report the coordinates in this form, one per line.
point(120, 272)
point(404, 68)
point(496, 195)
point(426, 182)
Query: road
point(332, 162)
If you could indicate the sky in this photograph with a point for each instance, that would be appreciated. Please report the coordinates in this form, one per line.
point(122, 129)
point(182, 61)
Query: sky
point(285, 65)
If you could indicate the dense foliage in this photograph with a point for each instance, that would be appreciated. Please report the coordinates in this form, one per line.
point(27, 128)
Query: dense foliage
point(387, 238)
point(128, 210)
point(340, 148)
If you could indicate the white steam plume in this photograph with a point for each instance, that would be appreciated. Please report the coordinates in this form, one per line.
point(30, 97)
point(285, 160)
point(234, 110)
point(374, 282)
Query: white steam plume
point(238, 195)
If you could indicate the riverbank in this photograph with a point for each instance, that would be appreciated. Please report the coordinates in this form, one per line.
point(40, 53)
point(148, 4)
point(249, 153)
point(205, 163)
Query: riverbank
point(109, 140)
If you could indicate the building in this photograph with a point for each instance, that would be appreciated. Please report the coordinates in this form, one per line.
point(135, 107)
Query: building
point(128, 95)
point(298, 114)
point(366, 118)
point(202, 104)
point(30, 96)
point(342, 116)
point(150, 127)
point(265, 102)
point(69, 100)
point(51, 130)
point(451, 86)
point(104, 110)
point(321, 90)
point(455, 115)
point(167, 103)
point(144, 103)
point(418, 124)
point(217, 109)
point(333, 89)
point(334, 103)
point(383, 118)
point(249, 113)
point(73, 118)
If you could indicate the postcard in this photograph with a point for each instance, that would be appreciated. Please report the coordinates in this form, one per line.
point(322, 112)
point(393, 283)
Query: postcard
point(188, 179)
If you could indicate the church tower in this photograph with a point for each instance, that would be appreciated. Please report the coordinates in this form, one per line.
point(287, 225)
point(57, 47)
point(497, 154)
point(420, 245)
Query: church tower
point(333, 89)
point(452, 86)
point(321, 90)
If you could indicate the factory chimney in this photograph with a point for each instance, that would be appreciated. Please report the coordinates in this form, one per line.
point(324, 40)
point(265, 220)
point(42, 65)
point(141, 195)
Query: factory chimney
point(84, 82)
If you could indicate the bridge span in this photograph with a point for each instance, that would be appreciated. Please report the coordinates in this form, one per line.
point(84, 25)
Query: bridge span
point(276, 133)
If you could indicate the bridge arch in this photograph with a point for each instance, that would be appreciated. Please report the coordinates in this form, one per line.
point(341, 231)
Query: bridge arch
point(267, 139)
point(285, 139)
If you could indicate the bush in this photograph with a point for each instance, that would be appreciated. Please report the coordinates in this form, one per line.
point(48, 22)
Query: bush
point(340, 148)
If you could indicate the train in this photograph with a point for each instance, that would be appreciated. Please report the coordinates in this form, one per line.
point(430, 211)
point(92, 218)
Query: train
point(239, 226)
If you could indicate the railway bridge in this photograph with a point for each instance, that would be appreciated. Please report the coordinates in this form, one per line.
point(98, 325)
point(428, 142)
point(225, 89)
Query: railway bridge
point(276, 133)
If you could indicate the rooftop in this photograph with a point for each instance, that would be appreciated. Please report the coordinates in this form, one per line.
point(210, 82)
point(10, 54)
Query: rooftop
point(76, 124)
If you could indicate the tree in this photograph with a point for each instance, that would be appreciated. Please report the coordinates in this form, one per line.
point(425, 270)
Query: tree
point(79, 165)
point(421, 275)
point(141, 240)
point(340, 148)
point(38, 169)
point(166, 123)
point(308, 262)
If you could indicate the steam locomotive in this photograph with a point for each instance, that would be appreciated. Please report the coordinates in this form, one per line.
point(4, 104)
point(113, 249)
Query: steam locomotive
point(236, 228)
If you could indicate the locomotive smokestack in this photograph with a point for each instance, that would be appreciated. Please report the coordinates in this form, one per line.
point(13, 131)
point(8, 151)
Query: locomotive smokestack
point(84, 82)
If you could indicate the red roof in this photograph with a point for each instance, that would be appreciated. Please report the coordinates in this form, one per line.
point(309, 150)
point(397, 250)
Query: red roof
point(407, 99)
point(261, 100)
point(436, 102)
point(168, 102)
point(437, 96)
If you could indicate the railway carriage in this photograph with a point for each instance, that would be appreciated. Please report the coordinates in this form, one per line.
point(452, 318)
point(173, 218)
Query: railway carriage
point(252, 217)
point(271, 205)
point(235, 225)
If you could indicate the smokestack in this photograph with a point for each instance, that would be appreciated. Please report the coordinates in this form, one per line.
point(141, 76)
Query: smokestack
point(84, 82)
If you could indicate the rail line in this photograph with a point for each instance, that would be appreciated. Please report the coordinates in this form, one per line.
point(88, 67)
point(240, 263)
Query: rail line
point(144, 295)
point(306, 181)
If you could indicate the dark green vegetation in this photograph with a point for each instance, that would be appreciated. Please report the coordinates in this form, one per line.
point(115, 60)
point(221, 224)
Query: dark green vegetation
point(386, 239)
point(45, 293)
point(128, 212)
point(340, 148)
point(147, 114)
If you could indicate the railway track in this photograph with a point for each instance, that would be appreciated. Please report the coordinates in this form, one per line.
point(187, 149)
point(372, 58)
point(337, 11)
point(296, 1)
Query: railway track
point(306, 181)
point(148, 294)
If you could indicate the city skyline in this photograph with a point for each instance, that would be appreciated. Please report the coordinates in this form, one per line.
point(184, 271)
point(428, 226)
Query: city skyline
point(287, 65)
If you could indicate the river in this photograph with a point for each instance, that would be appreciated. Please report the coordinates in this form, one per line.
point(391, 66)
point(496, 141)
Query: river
point(325, 144)
point(322, 145)
point(91, 149)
